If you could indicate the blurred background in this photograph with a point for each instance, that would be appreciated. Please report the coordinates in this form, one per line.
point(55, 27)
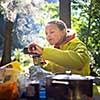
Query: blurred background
point(22, 22)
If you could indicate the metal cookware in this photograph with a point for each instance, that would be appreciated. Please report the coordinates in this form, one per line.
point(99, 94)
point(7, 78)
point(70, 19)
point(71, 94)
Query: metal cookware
point(69, 87)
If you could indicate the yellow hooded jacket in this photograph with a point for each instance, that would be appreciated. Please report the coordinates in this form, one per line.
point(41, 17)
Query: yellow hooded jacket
point(72, 55)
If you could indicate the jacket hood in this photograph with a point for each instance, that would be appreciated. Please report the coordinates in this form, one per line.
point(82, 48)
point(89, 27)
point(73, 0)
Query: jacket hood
point(71, 34)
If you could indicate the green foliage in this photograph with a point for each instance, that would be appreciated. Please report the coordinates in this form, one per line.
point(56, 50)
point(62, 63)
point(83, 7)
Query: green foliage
point(1, 1)
point(51, 9)
point(86, 21)
point(22, 58)
point(1, 9)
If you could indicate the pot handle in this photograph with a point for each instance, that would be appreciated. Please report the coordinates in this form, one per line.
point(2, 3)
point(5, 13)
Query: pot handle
point(60, 82)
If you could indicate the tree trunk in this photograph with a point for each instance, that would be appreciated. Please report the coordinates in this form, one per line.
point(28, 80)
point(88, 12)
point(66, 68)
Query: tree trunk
point(65, 11)
point(6, 57)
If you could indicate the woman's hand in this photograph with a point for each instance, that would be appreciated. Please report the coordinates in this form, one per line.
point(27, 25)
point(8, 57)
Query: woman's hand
point(35, 48)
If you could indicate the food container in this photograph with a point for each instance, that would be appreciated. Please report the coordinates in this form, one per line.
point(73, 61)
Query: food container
point(9, 91)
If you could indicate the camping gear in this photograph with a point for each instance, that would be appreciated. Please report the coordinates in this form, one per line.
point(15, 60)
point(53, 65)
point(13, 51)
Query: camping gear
point(69, 87)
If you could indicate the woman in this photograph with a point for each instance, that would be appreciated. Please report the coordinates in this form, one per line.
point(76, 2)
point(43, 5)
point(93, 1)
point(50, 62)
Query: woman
point(68, 52)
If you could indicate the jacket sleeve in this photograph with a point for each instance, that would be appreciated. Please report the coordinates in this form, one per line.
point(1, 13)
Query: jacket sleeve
point(75, 56)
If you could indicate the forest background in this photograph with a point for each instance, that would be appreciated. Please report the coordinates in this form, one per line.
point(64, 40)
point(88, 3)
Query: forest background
point(29, 18)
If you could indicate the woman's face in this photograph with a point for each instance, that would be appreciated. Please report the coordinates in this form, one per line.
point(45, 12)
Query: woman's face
point(53, 34)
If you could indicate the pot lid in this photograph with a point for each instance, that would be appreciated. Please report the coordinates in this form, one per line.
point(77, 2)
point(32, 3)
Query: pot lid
point(70, 77)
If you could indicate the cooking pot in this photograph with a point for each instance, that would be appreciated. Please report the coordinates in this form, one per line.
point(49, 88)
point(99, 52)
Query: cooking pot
point(69, 87)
